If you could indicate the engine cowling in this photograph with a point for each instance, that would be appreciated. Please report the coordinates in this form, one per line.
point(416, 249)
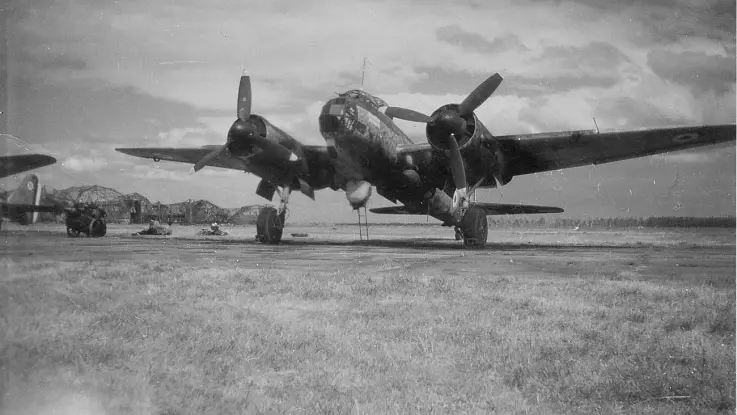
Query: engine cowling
point(482, 156)
point(438, 133)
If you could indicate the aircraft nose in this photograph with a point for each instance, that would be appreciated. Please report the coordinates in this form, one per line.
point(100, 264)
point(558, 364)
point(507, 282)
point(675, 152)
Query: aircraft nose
point(333, 117)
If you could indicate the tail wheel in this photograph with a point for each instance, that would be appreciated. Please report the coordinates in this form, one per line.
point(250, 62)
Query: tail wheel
point(72, 232)
point(98, 228)
point(475, 228)
point(269, 226)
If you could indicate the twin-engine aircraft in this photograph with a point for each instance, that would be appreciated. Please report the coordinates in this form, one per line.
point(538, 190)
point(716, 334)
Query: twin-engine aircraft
point(366, 148)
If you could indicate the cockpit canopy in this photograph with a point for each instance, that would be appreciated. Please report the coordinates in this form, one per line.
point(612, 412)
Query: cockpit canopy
point(365, 97)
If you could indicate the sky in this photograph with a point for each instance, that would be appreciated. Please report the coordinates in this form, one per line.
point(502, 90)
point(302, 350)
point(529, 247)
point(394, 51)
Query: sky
point(87, 76)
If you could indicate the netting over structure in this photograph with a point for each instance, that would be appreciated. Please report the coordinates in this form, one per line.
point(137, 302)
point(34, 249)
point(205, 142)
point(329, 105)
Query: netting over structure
point(83, 194)
point(136, 208)
point(119, 207)
point(246, 215)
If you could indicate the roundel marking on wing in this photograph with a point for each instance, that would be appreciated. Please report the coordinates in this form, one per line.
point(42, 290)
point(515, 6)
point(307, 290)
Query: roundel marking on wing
point(686, 138)
point(30, 186)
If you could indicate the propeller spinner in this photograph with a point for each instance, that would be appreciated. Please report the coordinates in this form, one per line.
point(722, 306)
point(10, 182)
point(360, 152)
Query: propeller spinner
point(452, 124)
point(240, 128)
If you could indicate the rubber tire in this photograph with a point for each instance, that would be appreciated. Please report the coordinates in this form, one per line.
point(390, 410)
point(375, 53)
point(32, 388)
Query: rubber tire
point(475, 228)
point(98, 228)
point(71, 232)
point(267, 230)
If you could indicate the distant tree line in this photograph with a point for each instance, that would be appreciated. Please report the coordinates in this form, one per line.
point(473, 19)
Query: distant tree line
point(617, 223)
point(595, 223)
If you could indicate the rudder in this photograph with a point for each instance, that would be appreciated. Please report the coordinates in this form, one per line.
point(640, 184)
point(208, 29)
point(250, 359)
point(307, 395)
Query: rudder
point(28, 193)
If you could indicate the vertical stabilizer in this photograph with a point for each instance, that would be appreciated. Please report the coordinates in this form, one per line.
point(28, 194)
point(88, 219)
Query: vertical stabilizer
point(28, 193)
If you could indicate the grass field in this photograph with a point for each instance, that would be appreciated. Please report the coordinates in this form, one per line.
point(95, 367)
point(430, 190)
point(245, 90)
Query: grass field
point(645, 333)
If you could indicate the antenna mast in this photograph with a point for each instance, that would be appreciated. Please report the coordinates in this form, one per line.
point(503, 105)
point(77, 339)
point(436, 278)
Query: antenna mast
point(363, 72)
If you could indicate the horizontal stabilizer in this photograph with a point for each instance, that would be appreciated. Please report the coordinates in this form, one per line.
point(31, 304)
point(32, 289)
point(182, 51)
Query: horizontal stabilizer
point(19, 207)
point(394, 210)
point(490, 208)
point(509, 209)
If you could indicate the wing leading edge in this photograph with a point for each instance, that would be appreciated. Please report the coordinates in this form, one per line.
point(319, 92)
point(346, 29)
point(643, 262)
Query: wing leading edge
point(489, 208)
point(10, 165)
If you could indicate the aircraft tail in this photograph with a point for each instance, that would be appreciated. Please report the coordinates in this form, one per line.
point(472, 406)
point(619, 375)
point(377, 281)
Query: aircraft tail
point(28, 193)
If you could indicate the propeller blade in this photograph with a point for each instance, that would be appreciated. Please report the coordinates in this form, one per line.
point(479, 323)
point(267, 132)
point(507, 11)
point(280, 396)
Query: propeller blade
point(407, 114)
point(208, 158)
point(480, 94)
point(456, 164)
point(244, 98)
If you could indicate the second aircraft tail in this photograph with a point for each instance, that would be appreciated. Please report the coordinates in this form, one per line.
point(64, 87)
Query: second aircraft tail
point(28, 193)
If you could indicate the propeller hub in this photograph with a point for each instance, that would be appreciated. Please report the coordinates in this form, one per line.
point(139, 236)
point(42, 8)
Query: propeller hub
point(241, 130)
point(452, 122)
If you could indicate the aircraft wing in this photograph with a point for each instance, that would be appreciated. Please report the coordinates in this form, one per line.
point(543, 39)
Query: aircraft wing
point(185, 155)
point(10, 165)
point(532, 153)
point(490, 208)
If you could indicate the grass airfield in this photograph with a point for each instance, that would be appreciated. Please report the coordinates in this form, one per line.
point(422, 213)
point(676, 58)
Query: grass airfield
point(541, 321)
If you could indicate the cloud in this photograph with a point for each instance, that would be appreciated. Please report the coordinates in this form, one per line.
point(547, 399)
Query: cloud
point(190, 137)
point(148, 173)
point(594, 55)
point(83, 164)
point(455, 35)
point(665, 21)
point(698, 70)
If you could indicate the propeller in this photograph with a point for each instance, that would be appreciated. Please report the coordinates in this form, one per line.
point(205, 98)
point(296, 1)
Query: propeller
point(451, 121)
point(240, 128)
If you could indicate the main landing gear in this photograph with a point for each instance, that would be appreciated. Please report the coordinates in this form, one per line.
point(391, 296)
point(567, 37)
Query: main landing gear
point(270, 222)
point(469, 221)
point(474, 228)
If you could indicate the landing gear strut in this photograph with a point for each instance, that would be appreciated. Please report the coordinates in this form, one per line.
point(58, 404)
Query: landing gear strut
point(270, 222)
point(363, 225)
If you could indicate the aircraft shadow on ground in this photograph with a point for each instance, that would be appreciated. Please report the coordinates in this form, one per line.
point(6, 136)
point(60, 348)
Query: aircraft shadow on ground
point(405, 243)
point(418, 244)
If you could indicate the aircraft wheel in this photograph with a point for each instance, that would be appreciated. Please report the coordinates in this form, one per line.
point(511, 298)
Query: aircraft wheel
point(269, 226)
point(475, 228)
point(98, 228)
point(72, 232)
